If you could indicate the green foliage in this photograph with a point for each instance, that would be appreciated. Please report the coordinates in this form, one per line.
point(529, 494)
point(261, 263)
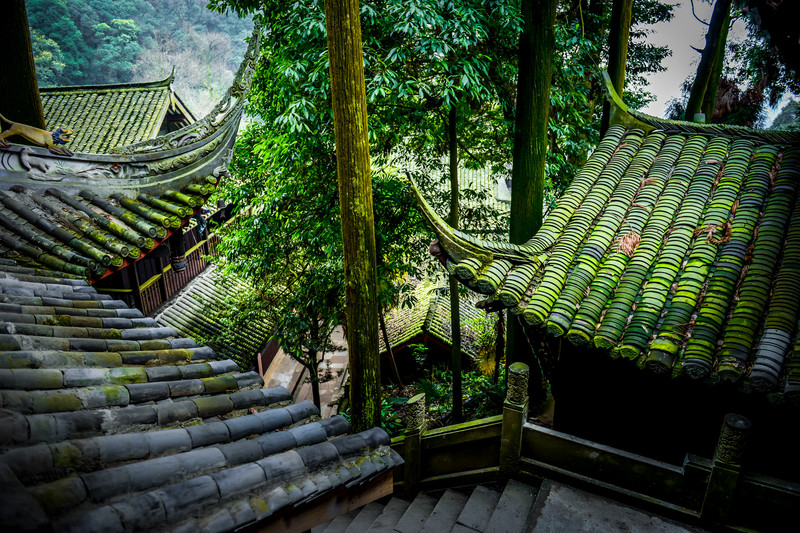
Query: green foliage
point(114, 41)
point(48, 58)
point(788, 118)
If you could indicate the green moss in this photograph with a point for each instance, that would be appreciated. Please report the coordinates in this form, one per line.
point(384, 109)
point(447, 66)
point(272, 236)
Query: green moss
point(128, 375)
point(65, 455)
point(115, 395)
point(55, 402)
point(60, 495)
point(219, 384)
point(102, 359)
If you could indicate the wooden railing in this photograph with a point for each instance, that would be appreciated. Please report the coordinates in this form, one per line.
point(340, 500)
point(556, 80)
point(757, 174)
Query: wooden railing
point(152, 293)
point(714, 492)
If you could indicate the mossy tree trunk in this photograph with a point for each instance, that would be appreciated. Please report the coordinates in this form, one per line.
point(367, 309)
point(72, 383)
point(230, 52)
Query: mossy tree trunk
point(349, 104)
point(718, 63)
point(455, 308)
point(705, 79)
point(618, 38)
point(536, 49)
point(19, 90)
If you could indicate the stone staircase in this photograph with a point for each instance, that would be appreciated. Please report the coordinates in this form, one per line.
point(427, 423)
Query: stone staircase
point(481, 509)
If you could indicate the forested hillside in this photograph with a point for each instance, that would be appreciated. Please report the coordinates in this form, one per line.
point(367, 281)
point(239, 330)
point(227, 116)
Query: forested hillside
point(79, 42)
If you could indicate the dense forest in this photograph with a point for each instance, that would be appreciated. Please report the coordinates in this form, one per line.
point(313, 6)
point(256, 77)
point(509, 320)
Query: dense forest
point(82, 42)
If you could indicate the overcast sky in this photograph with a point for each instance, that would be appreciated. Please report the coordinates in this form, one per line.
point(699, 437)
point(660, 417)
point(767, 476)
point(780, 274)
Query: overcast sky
point(680, 34)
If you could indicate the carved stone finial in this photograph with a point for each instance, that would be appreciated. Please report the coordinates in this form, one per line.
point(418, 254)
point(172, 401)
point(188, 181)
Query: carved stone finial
point(415, 415)
point(732, 439)
point(517, 383)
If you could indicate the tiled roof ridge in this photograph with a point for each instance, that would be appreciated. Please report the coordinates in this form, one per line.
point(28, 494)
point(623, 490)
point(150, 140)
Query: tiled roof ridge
point(151, 432)
point(136, 85)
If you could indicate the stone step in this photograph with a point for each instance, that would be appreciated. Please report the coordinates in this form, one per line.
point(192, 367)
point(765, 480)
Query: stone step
point(445, 513)
point(416, 514)
point(478, 509)
point(513, 508)
point(391, 514)
point(340, 523)
point(364, 519)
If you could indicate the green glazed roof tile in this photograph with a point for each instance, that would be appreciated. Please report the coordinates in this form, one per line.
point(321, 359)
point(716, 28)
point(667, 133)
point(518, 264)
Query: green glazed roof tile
point(136, 110)
point(676, 246)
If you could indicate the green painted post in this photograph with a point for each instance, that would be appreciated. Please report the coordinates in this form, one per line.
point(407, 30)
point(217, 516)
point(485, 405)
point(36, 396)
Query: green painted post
point(515, 411)
point(412, 443)
point(727, 468)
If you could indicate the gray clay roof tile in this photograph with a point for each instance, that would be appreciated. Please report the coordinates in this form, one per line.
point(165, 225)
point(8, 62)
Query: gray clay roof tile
point(159, 436)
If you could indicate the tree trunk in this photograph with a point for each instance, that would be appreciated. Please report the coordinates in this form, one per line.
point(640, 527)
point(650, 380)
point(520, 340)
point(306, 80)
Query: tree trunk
point(19, 90)
point(385, 334)
point(455, 307)
point(618, 37)
point(716, 37)
point(536, 49)
point(712, 87)
point(313, 378)
point(349, 102)
point(499, 346)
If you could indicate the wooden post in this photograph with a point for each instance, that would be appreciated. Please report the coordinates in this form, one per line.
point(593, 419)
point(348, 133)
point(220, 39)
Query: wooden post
point(515, 411)
point(162, 281)
point(727, 468)
point(412, 443)
point(19, 90)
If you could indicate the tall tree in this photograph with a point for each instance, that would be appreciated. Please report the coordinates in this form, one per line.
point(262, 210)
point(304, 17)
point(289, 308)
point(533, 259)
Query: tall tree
point(349, 101)
point(455, 308)
point(619, 35)
point(19, 91)
point(705, 81)
point(536, 50)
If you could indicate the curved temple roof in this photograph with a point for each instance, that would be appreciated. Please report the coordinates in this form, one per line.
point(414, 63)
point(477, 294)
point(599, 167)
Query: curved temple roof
point(677, 246)
point(111, 422)
point(91, 214)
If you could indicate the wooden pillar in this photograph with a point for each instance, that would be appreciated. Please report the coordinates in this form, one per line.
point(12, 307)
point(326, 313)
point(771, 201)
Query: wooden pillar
point(137, 290)
point(162, 280)
point(727, 468)
point(515, 411)
point(412, 443)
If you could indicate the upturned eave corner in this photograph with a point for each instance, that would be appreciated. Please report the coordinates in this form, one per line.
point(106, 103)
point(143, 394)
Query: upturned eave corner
point(454, 247)
point(620, 112)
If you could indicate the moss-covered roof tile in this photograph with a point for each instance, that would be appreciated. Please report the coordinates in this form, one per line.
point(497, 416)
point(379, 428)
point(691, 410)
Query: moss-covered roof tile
point(105, 116)
point(94, 437)
point(676, 246)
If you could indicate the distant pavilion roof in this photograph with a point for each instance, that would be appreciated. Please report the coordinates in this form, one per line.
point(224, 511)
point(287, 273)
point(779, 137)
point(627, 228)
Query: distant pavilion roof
point(91, 214)
point(677, 246)
point(196, 312)
point(430, 314)
point(107, 116)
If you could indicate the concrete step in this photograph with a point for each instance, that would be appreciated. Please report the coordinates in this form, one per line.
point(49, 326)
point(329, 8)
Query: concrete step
point(478, 509)
point(445, 513)
point(364, 519)
point(340, 523)
point(513, 509)
point(416, 514)
point(392, 512)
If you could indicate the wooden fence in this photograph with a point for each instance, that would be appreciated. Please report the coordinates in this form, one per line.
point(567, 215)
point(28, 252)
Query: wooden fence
point(713, 493)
